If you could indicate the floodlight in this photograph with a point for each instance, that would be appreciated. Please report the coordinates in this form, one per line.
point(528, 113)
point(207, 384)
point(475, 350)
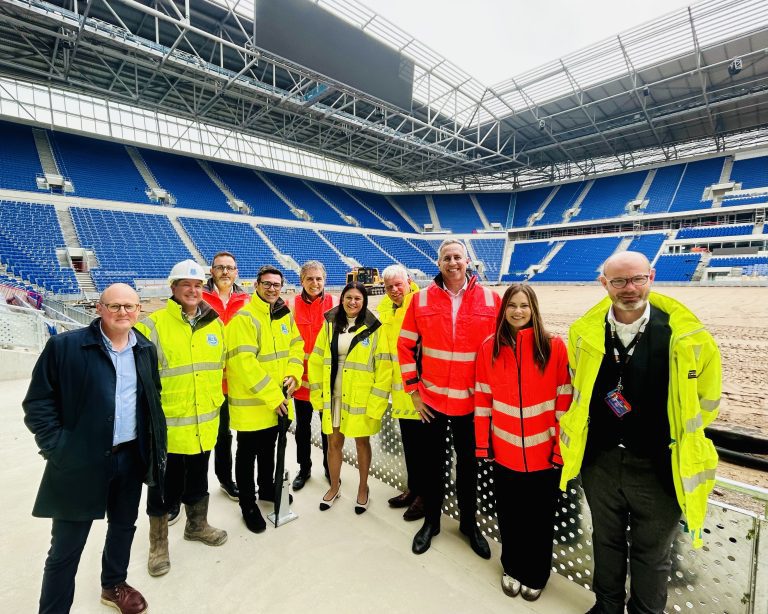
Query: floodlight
point(734, 68)
point(542, 124)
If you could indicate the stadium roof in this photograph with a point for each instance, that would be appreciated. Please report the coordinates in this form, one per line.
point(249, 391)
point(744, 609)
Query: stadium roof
point(655, 93)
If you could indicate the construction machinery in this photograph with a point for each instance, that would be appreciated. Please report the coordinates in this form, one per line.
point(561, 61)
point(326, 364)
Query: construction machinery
point(369, 277)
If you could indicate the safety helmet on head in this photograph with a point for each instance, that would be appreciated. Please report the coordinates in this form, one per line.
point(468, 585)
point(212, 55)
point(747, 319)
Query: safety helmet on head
point(186, 269)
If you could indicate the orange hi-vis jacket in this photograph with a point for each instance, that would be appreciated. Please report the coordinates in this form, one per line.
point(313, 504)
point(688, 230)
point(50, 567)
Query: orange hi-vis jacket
point(309, 319)
point(438, 359)
point(517, 407)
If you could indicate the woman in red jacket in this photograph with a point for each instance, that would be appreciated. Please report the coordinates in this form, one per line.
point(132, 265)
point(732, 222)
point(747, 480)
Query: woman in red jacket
point(522, 389)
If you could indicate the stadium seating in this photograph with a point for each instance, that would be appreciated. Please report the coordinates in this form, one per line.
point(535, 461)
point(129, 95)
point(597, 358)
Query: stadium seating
point(296, 191)
point(751, 173)
point(734, 201)
point(526, 204)
point(457, 212)
point(490, 252)
point(304, 244)
point(100, 169)
point(496, 207)
point(186, 180)
point(415, 205)
point(579, 259)
point(714, 231)
point(737, 261)
point(247, 186)
point(359, 247)
point(648, 244)
point(382, 207)
point(697, 176)
point(29, 237)
point(128, 245)
point(523, 256)
point(608, 196)
point(250, 250)
point(563, 200)
point(406, 254)
point(663, 188)
point(676, 267)
point(19, 162)
point(349, 205)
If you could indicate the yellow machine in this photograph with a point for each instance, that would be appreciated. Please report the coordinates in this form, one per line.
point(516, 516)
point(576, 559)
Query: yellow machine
point(369, 277)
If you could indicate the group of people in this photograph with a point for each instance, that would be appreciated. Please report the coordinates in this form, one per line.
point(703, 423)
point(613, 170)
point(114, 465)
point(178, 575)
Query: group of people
point(624, 405)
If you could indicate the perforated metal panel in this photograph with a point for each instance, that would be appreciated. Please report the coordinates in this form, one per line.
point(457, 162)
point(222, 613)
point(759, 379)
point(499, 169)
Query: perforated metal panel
point(720, 578)
point(21, 328)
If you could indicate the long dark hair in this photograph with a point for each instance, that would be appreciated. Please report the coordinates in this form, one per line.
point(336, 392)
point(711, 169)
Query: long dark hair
point(505, 332)
point(340, 321)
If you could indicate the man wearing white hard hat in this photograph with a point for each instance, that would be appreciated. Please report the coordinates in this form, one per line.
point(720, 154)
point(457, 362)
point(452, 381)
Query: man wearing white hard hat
point(190, 349)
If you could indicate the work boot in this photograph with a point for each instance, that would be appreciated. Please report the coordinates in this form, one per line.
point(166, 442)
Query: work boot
point(124, 598)
point(198, 529)
point(159, 562)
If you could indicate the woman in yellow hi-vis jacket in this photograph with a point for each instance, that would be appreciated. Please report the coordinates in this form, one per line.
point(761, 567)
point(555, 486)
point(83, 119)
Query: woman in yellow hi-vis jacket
point(350, 376)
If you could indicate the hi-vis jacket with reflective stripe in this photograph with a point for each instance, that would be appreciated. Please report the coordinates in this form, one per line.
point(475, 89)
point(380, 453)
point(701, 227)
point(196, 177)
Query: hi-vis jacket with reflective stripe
point(365, 383)
point(519, 406)
point(692, 403)
point(264, 346)
point(392, 322)
point(191, 366)
point(309, 319)
point(445, 377)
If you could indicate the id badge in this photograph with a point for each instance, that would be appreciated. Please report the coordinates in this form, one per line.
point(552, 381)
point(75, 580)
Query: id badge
point(618, 404)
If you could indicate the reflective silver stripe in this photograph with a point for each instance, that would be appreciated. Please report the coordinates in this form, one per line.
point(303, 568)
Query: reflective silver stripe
point(387, 356)
point(239, 349)
point(538, 409)
point(379, 393)
point(451, 393)
point(297, 340)
point(571, 372)
point(422, 298)
point(691, 483)
point(317, 350)
point(486, 388)
point(189, 420)
point(693, 424)
point(407, 367)
point(326, 405)
point(327, 362)
point(576, 395)
point(530, 440)
point(709, 404)
point(357, 366)
point(408, 334)
point(452, 356)
point(488, 297)
point(254, 320)
point(246, 402)
point(565, 389)
point(273, 356)
point(306, 356)
point(295, 361)
point(355, 411)
point(262, 384)
point(564, 439)
point(162, 361)
point(397, 386)
point(559, 414)
point(186, 369)
point(504, 408)
point(315, 386)
point(483, 412)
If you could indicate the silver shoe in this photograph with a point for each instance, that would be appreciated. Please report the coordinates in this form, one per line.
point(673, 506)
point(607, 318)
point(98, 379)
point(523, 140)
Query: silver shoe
point(530, 594)
point(510, 586)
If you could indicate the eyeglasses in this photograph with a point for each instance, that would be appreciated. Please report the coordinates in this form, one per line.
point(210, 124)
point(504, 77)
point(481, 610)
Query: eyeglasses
point(115, 307)
point(224, 267)
point(621, 282)
point(272, 284)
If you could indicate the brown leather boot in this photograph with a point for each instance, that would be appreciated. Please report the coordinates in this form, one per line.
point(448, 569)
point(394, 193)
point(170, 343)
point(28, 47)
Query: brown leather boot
point(159, 562)
point(198, 529)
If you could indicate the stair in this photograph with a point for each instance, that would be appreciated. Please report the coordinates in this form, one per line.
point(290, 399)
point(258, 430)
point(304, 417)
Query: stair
point(540, 211)
point(85, 281)
point(350, 262)
point(196, 255)
point(551, 254)
point(387, 223)
point(403, 213)
point(576, 208)
point(68, 228)
point(623, 245)
point(299, 213)
point(433, 213)
point(45, 152)
point(700, 268)
point(646, 185)
point(155, 189)
point(725, 173)
point(344, 216)
point(237, 205)
point(480, 212)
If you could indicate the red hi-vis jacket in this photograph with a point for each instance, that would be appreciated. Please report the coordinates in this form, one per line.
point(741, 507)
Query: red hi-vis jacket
point(237, 300)
point(519, 406)
point(434, 360)
point(309, 319)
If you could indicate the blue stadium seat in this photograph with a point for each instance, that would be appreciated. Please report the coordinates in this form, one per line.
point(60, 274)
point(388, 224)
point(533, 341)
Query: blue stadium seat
point(714, 231)
point(563, 200)
point(382, 207)
point(360, 248)
point(697, 176)
point(523, 256)
point(497, 207)
point(579, 259)
point(343, 201)
point(648, 244)
point(19, 162)
point(527, 203)
point(490, 252)
point(751, 173)
point(404, 251)
point(676, 267)
point(247, 186)
point(609, 196)
point(296, 191)
point(304, 244)
point(663, 188)
point(457, 212)
point(415, 205)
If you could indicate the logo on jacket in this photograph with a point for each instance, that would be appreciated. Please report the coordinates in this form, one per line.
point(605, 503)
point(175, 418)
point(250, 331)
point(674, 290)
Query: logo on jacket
point(692, 374)
point(213, 340)
point(284, 328)
point(366, 342)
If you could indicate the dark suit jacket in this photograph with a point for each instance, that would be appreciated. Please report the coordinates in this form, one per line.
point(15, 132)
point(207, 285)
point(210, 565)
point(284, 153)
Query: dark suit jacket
point(70, 408)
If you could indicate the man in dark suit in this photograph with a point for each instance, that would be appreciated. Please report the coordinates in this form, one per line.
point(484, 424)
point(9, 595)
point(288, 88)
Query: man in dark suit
point(94, 407)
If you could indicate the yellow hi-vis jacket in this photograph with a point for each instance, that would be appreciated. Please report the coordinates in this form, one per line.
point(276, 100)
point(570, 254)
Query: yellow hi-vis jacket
point(191, 367)
point(391, 322)
point(264, 347)
point(365, 383)
point(692, 403)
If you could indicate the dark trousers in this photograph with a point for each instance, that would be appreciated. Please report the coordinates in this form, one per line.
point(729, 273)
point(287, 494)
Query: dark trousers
point(304, 413)
point(68, 537)
point(222, 453)
point(412, 435)
point(255, 448)
point(437, 466)
point(525, 508)
point(622, 490)
point(186, 481)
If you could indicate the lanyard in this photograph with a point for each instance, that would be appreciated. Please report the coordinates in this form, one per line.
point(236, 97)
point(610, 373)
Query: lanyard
point(628, 351)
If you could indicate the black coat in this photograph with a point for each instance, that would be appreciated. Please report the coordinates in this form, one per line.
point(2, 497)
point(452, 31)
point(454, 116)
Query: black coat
point(70, 408)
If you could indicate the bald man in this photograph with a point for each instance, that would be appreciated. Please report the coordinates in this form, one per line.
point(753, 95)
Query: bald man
point(94, 407)
point(646, 381)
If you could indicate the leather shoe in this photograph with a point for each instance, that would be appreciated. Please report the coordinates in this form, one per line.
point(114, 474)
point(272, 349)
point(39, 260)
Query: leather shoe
point(231, 490)
point(510, 585)
point(423, 539)
point(415, 511)
point(477, 541)
point(124, 598)
point(254, 520)
point(404, 499)
point(530, 594)
point(301, 478)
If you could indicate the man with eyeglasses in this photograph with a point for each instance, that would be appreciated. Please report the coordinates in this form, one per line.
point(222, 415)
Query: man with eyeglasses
point(264, 367)
point(190, 345)
point(646, 382)
point(94, 407)
point(226, 298)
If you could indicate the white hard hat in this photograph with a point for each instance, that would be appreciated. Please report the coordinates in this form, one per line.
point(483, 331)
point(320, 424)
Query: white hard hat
point(186, 269)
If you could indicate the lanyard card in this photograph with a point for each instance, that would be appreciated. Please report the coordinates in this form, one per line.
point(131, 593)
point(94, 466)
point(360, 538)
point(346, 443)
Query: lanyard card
point(618, 404)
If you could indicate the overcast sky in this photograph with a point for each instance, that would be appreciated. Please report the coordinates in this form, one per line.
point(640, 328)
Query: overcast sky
point(496, 39)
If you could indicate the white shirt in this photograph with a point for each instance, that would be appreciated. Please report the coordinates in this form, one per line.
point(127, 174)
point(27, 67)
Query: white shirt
point(627, 332)
point(456, 303)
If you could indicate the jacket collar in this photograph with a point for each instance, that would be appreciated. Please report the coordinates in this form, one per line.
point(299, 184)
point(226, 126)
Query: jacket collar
point(471, 281)
point(277, 311)
point(93, 336)
point(211, 287)
point(371, 321)
point(207, 313)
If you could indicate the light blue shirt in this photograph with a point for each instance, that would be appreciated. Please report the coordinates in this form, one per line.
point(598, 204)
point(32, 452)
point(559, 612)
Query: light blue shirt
point(125, 390)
